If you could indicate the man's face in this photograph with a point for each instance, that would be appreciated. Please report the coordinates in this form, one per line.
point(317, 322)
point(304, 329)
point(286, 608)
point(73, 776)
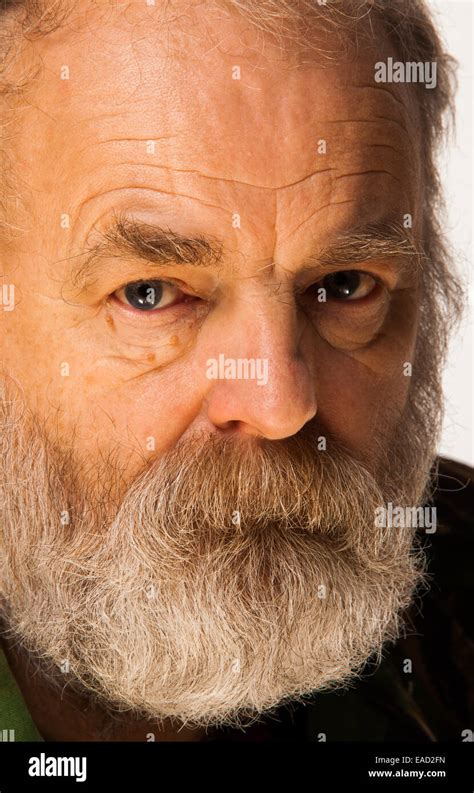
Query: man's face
point(200, 128)
point(275, 165)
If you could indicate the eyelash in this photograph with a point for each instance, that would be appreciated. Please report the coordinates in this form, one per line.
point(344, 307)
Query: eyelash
point(187, 298)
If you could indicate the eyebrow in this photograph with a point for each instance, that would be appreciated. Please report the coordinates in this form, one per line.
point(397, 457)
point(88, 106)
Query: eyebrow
point(130, 238)
point(159, 246)
point(383, 240)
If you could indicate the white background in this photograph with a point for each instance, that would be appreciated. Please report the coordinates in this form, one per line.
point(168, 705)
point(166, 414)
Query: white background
point(455, 19)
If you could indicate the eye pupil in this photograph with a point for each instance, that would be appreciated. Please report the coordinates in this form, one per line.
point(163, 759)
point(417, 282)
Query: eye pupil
point(342, 284)
point(144, 295)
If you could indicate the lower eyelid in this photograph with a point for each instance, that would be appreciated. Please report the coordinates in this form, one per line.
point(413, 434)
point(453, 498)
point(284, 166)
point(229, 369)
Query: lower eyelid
point(143, 320)
point(362, 312)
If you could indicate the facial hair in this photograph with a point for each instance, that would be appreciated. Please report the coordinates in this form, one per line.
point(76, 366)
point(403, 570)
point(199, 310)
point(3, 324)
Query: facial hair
point(231, 577)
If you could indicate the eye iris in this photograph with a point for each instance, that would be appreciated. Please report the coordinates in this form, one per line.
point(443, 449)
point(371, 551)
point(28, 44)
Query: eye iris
point(342, 284)
point(144, 295)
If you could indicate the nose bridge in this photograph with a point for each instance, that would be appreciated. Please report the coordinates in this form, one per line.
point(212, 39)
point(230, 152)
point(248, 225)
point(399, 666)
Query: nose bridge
point(262, 381)
point(269, 319)
point(263, 325)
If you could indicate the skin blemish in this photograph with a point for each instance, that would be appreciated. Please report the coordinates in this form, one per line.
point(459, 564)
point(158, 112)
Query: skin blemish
point(110, 322)
point(151, 357)
point(174, 341)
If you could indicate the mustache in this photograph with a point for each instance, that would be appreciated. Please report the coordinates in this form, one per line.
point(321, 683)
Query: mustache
point(207, 488)
point(309, 481)
point(226, 496)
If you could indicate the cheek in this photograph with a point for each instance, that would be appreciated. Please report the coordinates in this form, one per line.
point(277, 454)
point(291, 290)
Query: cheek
point(361, 395)
point(137, 419)
point(149, 416)
point(34, 357)
point(362, 392)
point(85, 378)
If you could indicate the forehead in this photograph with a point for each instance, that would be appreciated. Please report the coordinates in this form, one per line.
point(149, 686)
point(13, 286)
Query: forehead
point(189, 100)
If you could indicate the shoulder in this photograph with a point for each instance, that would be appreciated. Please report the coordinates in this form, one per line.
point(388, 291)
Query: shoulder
point(440, 635)
point(453, 496)
point(450, 549)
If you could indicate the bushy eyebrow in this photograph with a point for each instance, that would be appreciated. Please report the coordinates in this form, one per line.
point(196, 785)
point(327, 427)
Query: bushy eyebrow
point(129, 238)
point(381, 241)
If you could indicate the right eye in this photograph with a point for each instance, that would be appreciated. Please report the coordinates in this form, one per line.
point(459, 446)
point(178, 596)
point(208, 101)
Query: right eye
point(152, 295)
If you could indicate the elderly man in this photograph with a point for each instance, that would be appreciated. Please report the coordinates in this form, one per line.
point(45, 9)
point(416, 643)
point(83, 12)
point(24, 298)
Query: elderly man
point(227, 302)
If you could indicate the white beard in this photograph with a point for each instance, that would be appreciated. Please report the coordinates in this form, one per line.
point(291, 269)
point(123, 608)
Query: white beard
point(171, 609)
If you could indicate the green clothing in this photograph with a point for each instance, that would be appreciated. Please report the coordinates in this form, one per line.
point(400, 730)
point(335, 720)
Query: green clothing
point(431, 701)
point(14, 715)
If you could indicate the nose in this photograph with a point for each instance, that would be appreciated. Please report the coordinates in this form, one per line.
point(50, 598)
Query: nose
point(261, 379)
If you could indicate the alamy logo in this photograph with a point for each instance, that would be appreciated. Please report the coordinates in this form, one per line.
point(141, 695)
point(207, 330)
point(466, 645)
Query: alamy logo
point(410, 72)
point(58, 766)
point(406, 517)
point(223, 368)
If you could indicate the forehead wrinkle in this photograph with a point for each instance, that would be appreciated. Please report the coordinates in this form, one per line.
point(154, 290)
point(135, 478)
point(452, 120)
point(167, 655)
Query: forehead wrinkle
point(141, 187)
point(134, 139)
point(223, 179)
point(385, 89)
point(373, 172)
point(374, 120)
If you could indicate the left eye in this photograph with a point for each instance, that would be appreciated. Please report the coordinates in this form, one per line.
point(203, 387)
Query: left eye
point(148, 295)
point(348, 285)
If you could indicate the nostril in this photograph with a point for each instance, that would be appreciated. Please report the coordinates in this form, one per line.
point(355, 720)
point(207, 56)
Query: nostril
point(228, 427)
point(239, 428)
